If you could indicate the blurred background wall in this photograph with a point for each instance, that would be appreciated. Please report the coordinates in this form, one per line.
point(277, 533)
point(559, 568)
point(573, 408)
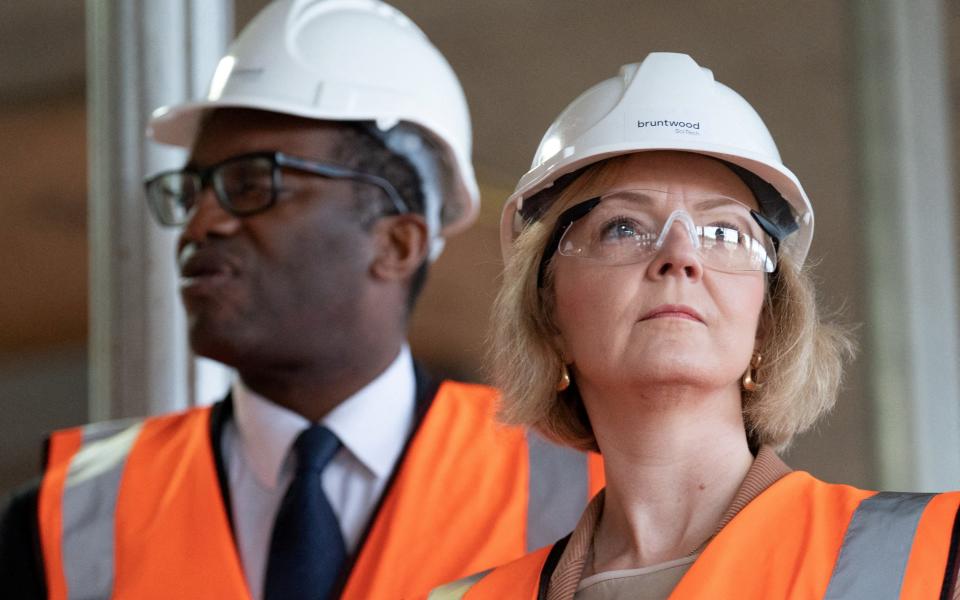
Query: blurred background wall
point(520, 63)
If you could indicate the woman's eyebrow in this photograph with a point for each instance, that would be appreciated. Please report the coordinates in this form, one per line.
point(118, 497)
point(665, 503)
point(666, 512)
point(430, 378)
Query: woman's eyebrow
point(643, 195)
point(696, 201)
point(718, 200)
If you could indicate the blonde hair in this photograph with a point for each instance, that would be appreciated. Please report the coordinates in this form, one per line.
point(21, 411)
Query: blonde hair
point(802, 356)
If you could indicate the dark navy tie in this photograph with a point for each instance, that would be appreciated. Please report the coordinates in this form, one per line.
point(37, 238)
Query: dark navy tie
point(306, 549)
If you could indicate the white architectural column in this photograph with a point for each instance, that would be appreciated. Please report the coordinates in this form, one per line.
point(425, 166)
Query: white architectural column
point(907, 210)
point(141, 55)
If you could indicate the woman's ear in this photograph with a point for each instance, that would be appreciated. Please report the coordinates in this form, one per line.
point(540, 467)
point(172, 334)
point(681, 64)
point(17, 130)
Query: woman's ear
point(764, 323)
point(561, 347)
point(401, 246)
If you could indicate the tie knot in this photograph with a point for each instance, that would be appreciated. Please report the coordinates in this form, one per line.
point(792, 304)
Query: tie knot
point(315, 448)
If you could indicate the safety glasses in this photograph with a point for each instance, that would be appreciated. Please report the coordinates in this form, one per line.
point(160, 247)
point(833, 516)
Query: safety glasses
point(244, 185)
point(631, 226)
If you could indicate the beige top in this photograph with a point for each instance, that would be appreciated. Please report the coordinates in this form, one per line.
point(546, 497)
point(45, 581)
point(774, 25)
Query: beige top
point(648, 583)
point(657, 581)
point(766, 469)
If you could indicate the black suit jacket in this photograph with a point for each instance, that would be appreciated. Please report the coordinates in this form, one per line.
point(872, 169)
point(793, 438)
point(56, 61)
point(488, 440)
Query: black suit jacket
point(22, 574)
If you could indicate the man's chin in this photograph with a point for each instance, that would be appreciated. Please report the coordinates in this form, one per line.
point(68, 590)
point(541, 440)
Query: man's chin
point(216, 343)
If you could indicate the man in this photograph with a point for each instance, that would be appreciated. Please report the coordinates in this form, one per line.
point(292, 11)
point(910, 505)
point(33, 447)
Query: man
point(329, 160)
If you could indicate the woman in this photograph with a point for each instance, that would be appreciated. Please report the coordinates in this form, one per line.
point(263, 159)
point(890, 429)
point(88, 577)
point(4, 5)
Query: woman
point(654, 308)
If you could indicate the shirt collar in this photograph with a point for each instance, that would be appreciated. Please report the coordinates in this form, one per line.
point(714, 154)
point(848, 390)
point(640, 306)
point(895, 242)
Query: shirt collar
point(373, 424)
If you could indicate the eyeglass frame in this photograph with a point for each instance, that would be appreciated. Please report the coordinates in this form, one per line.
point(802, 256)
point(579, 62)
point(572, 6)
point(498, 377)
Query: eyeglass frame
point(278, 160)
point(581, 209)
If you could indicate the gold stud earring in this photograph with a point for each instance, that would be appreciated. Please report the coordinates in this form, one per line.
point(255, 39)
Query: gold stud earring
point(564, 381)
point(750, 379)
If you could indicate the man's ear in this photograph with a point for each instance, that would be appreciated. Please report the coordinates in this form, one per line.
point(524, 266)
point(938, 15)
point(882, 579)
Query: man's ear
point(401, 246)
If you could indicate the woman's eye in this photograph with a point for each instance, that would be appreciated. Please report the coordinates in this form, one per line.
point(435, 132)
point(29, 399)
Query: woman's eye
point(725, 225)
point(621, 229)
point(724, 229)
point(726, 233)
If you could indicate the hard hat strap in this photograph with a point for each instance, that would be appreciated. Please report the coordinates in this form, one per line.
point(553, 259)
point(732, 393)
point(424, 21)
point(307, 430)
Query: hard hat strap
point(776, 217)
point(410, 142)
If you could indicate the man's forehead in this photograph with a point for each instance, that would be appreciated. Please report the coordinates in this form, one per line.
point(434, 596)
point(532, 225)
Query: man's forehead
point(228, 131)
point(262, 118)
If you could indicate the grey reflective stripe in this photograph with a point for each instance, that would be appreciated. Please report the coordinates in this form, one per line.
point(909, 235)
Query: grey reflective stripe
point(458, 589)
point(104, 429)
point(89, 503)
point(876, 547)
point(558, 491)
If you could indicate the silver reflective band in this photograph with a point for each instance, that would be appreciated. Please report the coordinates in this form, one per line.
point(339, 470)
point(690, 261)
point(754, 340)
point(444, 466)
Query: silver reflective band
point(876, 547)
point(558, 491)
point(456, 590)
point(89, 508)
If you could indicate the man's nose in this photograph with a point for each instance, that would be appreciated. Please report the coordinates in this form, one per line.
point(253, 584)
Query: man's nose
point(209, 219)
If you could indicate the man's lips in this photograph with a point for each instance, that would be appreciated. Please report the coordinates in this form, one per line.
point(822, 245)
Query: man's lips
point(673, 311)
point(204, 266)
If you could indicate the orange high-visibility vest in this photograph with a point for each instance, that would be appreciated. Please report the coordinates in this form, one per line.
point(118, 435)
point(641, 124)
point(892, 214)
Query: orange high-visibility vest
point(134, 510)
point(801, 538)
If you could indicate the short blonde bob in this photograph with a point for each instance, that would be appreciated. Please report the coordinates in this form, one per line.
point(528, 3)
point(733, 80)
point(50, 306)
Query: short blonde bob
point(802, 356)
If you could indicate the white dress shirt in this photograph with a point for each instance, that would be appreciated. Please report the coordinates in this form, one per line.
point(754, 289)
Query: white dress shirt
point(373, 425)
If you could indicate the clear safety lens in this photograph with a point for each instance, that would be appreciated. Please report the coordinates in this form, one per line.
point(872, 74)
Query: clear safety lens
point(246, 185)
point(631, 226)
point(171, 196)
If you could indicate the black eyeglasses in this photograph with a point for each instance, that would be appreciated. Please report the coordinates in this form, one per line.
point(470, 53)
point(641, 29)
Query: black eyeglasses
point(244, 185)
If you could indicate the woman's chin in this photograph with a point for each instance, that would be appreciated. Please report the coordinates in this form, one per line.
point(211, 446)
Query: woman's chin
point(671, 363)
point(677, 372)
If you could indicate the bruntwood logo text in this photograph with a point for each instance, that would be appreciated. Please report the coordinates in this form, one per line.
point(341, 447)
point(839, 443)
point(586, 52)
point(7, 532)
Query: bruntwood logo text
point(679, 126)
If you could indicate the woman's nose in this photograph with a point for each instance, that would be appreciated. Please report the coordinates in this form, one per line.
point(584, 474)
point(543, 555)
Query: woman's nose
point(678, 252)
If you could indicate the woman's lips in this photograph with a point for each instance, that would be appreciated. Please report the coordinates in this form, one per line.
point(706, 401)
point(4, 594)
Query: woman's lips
point(673, 311)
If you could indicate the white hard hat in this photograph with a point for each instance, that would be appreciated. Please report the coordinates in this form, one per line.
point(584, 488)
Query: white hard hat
point(348, 60)
point(667, 102)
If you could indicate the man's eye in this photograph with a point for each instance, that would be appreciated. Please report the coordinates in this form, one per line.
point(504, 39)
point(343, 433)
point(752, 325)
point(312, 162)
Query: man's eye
point(253, 184)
